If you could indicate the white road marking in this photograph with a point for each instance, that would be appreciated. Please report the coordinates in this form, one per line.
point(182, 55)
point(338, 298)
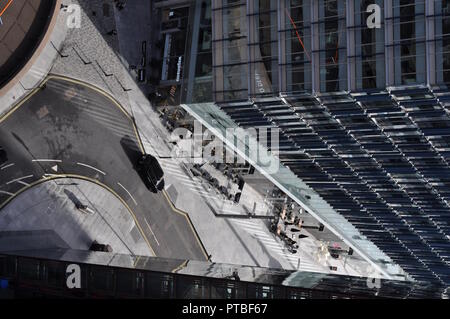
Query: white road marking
point(189, 183)
point(19, 179)
point(91, 167)
point(23, 183)
point(6, 193)
point(90, 210)
point(208, 196)
point(274, 246)
point(128, 194)
point(176, 172)
point(6, 166)
point(47, 160)
point(145, 219)
point(194, 187)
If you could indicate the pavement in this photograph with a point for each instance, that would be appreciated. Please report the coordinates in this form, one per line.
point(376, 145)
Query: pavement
point(71, 129)
point(45, 216)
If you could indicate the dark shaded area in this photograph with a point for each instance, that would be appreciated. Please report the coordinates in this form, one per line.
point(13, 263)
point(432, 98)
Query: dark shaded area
point(131, 149)
point(153, 277)
point(78, 204)
point(3, 156)
point(134, 154)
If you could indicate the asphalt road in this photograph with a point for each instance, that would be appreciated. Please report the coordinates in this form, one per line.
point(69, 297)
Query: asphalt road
point(69, 128)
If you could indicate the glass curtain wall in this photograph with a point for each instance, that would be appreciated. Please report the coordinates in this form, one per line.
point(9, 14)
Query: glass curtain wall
point(263, 46)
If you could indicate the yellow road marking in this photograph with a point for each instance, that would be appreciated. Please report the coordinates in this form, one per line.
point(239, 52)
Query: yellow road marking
point(25, 99)
point(188, 220)
point(183, 264)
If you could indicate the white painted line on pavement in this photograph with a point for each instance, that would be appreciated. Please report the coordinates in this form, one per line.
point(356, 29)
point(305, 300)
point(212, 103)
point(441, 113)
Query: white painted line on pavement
point(189, 183)
point(197, 189)
point(92, 167)
point(6, 166)
point(6, 193)
point(128, 193)
point(90, 211)
point(23, 183)
point(145, 219)
point(248, 224)
point(47, 160)
point(19, 179)
point(194, 184)
point(208, 196)
point(176, 172)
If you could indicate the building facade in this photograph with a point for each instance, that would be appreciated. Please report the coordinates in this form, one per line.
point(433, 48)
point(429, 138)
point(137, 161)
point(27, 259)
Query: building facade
point(46, 273)
point(268, 47)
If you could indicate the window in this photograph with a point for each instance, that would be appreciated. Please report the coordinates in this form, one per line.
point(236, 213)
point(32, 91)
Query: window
point(442, 22)
point(333, 47)
point(263, 47)
point(230, 52)
point(369, 48)
point(409, 42)
point(298, 45)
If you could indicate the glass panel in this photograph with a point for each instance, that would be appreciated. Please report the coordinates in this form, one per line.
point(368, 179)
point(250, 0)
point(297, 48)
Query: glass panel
point(128, 283)
point(230, 50)
point(101, 279)
point(55, 274)
point(409, 42)
point(28, 269)
point(369, 48)
point(264, 48)
point(298, 45)
point(333, 47)
point(158, 285)
point(442, 20)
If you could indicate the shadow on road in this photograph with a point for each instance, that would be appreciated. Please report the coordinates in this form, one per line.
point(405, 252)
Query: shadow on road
point(74, 199)
point(131, 149)
point(134, 153)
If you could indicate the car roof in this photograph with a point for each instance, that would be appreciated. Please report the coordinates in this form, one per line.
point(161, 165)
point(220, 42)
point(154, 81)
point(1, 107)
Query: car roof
point(154, 165)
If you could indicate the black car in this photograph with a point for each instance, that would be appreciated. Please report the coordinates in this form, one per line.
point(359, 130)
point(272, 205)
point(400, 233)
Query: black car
point(152, 173)
point(3, 156)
